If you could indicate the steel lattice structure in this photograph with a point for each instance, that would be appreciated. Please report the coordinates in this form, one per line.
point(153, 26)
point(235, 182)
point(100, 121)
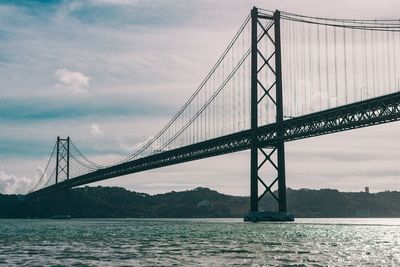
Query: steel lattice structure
point(357, 115)
point(62, 159)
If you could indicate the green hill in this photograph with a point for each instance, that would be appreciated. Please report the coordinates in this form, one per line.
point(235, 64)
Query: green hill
point(115, 202)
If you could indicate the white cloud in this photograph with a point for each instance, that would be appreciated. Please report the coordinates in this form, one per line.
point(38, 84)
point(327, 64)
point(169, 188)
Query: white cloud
point(132, 148)
point(122, 143)
point(38, 174)
point(96, 131)
point(10, 184)
point(72, 80)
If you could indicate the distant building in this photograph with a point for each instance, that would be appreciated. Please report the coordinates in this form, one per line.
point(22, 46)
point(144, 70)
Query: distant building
point(367, 189)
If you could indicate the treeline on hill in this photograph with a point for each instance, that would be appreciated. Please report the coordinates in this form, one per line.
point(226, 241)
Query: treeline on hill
point(115, 202)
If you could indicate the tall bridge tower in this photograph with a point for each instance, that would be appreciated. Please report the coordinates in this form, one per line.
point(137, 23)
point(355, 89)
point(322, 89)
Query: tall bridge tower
point(62, 159)
point(61, 197)
point(266, 157)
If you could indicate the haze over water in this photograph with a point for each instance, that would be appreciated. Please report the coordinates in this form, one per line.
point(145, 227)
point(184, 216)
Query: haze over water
point(199, 242)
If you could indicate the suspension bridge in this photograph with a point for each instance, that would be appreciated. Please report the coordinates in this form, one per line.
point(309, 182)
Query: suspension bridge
point(283, 77)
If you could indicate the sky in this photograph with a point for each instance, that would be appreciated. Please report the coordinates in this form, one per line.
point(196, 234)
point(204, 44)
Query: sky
point(111, 73)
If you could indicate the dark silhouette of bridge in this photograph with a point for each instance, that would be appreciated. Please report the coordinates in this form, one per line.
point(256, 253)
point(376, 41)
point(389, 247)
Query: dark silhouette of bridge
point(283, 77)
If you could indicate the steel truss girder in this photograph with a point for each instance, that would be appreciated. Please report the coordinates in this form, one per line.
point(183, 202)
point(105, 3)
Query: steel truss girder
point(366, 113)
point(361, 114)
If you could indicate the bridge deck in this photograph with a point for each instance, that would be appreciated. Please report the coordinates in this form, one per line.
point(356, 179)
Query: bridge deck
point(356, 115)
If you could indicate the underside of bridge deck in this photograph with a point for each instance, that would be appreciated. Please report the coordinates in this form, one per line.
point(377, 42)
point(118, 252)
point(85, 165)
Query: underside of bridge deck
point(356, 115)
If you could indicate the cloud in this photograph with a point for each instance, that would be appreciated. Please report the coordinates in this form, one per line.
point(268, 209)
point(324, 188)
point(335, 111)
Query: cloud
point(122, 144)
point(112, 2)
point(132, 148)
point(10, 184)
point(71, 80)
point(63, 108)
point(96, 131)
point(145, 64)
point(38, 181)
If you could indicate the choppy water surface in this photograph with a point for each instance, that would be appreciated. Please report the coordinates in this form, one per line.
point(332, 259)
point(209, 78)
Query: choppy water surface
point(204, 242)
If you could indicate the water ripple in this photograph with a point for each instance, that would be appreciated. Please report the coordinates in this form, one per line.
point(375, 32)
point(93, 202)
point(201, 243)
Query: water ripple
point(199, 242)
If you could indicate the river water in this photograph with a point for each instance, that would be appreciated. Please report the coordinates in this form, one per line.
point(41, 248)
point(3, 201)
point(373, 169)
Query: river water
point(199, 242)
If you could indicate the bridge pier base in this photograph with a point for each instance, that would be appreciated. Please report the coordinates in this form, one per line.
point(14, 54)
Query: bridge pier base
point(270, 216)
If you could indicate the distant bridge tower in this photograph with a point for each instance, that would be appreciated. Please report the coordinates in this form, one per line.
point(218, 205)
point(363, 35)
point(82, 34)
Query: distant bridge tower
point(265, 33)
point(62, 174)
point(62, 159)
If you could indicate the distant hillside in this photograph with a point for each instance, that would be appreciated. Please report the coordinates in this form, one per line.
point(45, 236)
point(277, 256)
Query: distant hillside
point(115, 202)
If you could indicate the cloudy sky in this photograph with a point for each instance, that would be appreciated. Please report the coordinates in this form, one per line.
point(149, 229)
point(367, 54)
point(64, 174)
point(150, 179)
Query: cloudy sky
point(110, 73)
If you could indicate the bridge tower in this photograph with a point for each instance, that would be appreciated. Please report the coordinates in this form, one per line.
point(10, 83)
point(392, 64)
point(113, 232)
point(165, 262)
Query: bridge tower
point(62, 159)
point(62, 174)
point(265, 33)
